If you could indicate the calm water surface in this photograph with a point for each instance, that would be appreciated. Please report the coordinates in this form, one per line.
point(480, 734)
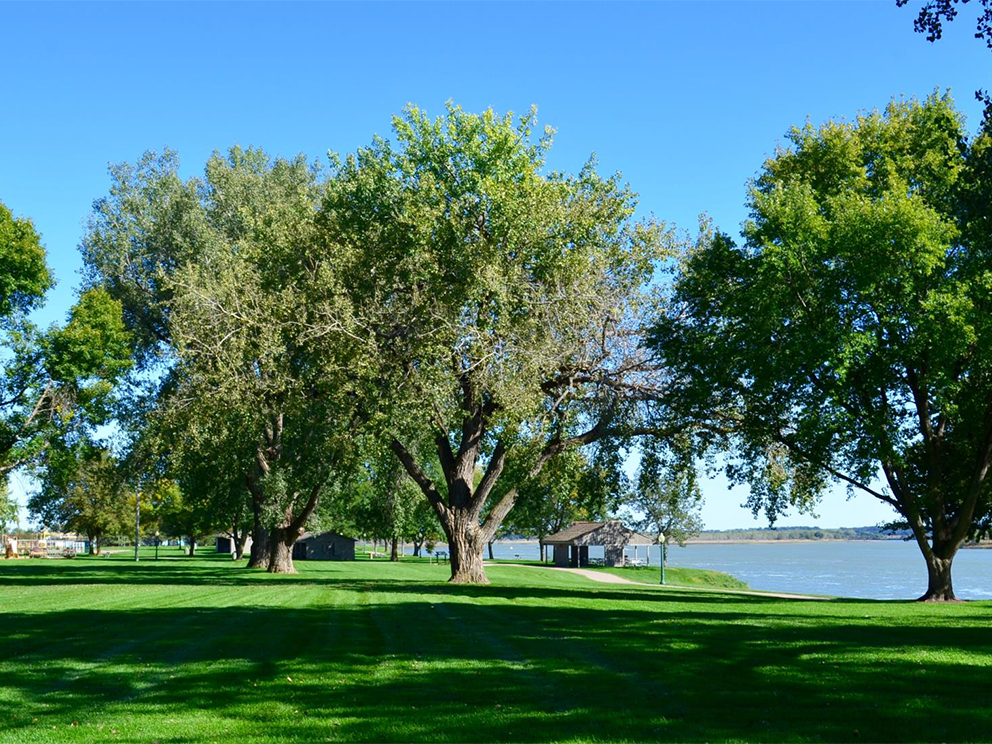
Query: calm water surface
point(889, 569)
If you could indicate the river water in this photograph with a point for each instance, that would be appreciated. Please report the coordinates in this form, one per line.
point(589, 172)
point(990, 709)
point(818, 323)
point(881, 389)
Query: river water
point(881, 569)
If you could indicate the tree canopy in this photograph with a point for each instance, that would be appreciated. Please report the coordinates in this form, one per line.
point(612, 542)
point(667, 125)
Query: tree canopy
point(849, 336)
point(499, 306)
point(56, 381)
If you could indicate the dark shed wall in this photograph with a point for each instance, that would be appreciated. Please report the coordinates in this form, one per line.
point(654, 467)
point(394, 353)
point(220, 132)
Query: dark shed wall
point(326, 547)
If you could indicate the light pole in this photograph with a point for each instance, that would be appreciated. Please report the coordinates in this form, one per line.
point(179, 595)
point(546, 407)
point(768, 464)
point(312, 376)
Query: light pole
point(137, 524)
point(661, 540)
point(156, 544)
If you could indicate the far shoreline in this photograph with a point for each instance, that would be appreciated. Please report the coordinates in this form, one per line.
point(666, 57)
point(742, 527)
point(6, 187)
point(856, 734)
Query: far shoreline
point(741, 541)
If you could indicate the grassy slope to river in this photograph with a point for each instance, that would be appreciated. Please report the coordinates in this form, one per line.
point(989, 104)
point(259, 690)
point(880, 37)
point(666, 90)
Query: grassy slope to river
point(202, 649)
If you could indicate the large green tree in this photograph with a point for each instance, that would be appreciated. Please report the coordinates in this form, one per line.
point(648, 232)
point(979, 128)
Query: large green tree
point(211, 273)
point(242, 327)
point(666, 499)
point(83, 489)
point(54, 381)
point(499, 306)
point(850, 336)
point(149, 226)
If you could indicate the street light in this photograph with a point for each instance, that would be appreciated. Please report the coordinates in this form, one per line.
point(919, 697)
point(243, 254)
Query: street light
point(137, 524)
point(156, 544)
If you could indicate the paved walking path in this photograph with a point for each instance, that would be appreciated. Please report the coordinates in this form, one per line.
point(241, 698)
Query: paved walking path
point(610, 578)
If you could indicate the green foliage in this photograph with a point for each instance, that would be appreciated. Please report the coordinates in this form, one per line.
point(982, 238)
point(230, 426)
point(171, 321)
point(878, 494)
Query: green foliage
point(568, 489)
point(455, 243)
point(851, 332)
point(94, 343)
point(9, 511)
point(148, 226)
point(415, 286)
point(496, 306)
point(55, 383)
point(666, 500)
point(930, 20)
point(24, 276)
point(210, 274)
point(189, 514)
point(83, 489)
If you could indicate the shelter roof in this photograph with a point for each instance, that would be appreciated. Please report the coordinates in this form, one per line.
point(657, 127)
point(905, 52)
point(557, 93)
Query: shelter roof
point(612, 532)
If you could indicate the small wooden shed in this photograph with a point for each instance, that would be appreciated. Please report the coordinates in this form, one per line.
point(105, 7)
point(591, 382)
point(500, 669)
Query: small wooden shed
point(572, 544)
point(325, 546)
point(225, 544)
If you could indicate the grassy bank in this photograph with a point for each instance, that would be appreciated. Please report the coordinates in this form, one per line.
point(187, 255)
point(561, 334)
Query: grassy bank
point(201, 649)
point(676, 576)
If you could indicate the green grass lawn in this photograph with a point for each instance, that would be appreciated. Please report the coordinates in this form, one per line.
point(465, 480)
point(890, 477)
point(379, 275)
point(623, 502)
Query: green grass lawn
point(676, 576)
point(204, 650)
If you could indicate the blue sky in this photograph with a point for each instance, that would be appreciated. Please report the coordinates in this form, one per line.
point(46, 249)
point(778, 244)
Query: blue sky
point(685, 99)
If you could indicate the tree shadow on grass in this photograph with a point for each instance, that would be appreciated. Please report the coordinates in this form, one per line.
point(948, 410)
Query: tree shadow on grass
point(335, 661)
point(384, 577)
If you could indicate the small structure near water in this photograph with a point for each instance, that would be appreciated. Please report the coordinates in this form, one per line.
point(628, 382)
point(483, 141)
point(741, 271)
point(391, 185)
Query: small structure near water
point(326, 546)
point(572, 544)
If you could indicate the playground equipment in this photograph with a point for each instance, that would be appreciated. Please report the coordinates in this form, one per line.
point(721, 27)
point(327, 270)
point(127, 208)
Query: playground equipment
point(47, 545)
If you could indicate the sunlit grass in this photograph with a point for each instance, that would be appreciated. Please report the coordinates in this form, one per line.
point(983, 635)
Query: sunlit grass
point(103, 649)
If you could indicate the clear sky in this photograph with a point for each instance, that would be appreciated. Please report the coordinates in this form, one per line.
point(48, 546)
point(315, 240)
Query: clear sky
point(685, 99)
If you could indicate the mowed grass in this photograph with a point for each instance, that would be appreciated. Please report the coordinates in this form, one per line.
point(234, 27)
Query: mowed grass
point(676, 576)
point(204, 650)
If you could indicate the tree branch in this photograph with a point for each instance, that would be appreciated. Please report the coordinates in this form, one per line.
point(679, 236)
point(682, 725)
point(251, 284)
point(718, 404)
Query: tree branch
point(420, 478)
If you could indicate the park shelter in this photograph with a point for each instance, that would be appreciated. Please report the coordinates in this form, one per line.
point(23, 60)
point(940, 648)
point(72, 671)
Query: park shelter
point(326, 546)
point(572, 544)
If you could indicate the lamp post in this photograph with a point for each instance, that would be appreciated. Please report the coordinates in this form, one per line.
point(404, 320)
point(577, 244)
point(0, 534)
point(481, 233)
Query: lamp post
point(156, 544)
point(137, 524)
point(661, 540)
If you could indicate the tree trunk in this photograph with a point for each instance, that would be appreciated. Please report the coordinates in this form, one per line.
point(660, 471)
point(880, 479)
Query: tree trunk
point(191, 547)
point(259, 536)
point(939, 556)
point(394, 554)
point(281, 542)
point(939, 588)
point(465, 545)
point(491, 556)
point(239, 546)
point(259, 556)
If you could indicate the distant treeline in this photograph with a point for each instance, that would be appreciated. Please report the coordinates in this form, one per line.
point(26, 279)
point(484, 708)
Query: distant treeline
point(802, 533)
